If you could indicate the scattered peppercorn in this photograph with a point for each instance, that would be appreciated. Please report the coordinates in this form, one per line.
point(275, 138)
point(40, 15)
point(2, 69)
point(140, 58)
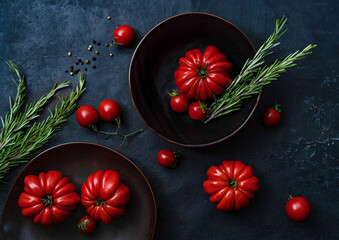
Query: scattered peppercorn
point(111, 54)
point(89, 49)
point(69, 54)
point(97, 52)
point(71, 67)
point(93, 66)
point(71, 73)
point(108, 17)
point(94, 41)
point(87, 61)
point(98, 43)
point(85, 69)
point(82, 63)
point(106, 45)
point(94, 58)
point(66, 71)
point(79, 60)
point(76, 63)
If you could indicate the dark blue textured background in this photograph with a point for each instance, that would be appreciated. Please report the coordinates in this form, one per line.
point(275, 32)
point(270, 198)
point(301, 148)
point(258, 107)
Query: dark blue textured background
point(300, 156)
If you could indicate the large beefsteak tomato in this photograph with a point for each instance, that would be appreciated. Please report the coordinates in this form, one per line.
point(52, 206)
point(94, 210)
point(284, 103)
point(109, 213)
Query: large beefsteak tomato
point(104, 196)
point(48, 198)
point(203, 75)
point(231, 184)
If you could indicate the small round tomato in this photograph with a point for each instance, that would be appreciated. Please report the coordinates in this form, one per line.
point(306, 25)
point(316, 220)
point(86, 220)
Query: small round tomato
point(109, 110)
point(179, 103)
point(86, 224)
point(298, 208)
point(86, 116)
point(197, 111)
point(123, 35)
point(167, 158)
point(271, 116)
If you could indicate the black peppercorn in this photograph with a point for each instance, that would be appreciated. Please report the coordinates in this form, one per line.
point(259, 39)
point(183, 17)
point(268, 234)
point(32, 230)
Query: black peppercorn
point(71, 67)
point(93, 66)
point(98, 43)
point(85, 69)
point(66, 71)
point(94, 58)
point(106, 45)
point(76, 63)
point(94, 41)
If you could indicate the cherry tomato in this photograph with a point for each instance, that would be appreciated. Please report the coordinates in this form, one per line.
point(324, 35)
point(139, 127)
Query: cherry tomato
point(123, 35)
point(196, 111)
point(271, 116)
point(86, 224)
point(167, 158)
point(86, 116)
point(298, 208)
point(179, 103)
point(109, 110)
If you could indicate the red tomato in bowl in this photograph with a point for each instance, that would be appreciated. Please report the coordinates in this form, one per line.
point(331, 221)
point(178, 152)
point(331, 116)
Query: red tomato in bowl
point(196, 111)
point(123, 35)
point(179, 103)
point(203, 75)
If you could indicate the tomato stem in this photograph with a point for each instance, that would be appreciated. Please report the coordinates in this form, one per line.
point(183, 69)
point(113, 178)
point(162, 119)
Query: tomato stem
point(47, 201)
point(290, 197)
point(174, 93)
point(99, 202)
point(82, 225)
point(277, 107)
point(231, 183)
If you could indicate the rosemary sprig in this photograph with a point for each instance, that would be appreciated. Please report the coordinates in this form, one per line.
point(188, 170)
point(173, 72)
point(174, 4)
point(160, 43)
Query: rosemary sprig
point(253, 76)
point(19, 138)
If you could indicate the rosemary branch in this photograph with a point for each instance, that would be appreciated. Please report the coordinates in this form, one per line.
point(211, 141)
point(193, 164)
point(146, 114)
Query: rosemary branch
point(19, 138)
point(253, 76)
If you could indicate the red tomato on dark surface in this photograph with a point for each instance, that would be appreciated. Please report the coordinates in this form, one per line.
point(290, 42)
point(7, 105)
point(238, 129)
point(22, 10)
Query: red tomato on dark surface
point(231, 184)
point(196, 111)
point(179, 103)
point(109, 110)
point(48, 198)
point(123, 35)
point(272, 116)
point(104, 196)
point(298, 208)
point(167, 158)
point(87, 115)
point(87, 225)
point(203, 75)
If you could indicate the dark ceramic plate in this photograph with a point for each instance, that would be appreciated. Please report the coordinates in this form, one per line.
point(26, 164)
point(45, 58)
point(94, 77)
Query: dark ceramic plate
point(151, 76)
point(76, 161)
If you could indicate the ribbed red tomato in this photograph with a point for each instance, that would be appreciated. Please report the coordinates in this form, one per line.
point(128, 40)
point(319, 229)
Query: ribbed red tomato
point(104, 196)
point(48, 198)
point(231, 184)
point(203, 75)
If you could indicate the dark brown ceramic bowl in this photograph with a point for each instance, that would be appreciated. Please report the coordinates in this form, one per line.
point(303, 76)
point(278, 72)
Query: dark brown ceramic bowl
point(151, 76)
point(76, 161)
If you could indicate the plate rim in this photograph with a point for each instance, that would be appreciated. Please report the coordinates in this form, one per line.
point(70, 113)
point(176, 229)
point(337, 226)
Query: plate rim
point(81, 143)
point(133, 101)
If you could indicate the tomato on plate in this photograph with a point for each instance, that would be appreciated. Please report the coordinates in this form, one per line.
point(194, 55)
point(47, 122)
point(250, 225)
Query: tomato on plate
point(231, 184)
point(197, 110)
point(104, 196)
point(272, 116)
point(87, 116)
point(123, 35)
point(179, 103)
point(203, 75)
point(109, 110)
point(48, 198)
point(87, 224)
point(167, 158)
point(298, 208)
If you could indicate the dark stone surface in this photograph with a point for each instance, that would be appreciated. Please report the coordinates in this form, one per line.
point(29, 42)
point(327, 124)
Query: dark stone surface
point(300, 156)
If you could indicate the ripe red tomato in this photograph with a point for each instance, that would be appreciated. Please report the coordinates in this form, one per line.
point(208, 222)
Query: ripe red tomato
point(196, 111)
point(109, 110)
point(179, 103)
point(123, 35)
point(86, 116)
point(167, 158)
point(298, 208)
point(87, 224)
point(271, 116)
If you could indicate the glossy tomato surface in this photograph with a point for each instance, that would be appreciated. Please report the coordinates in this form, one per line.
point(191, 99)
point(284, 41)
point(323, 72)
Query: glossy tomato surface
point(109, 110)
point(196, 112)
point(179, 103)
point(272, 116)
point(298, 208)
point(166, 158)
point(87, 225)
point(87, 115)
point(123, 35)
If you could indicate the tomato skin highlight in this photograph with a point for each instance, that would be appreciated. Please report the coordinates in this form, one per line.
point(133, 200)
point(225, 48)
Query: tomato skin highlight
point(272, 116)
point(231, 185)
point(123, 35)
point(179, 103)
point(86, 224)
point(195, 111)
point(86, 116)
point(109, 110)
point(167, 158)
point(298, 209)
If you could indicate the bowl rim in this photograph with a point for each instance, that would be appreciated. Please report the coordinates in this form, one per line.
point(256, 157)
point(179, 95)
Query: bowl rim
point(139, 114)
point(80, 143)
